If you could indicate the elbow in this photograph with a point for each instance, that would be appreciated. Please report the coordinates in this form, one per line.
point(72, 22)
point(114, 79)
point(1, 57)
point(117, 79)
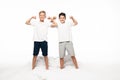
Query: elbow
point(27, 23)
point(76, 23)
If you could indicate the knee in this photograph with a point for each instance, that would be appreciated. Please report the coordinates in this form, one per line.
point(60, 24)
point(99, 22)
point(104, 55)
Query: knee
point(72, 56)
point(34, 56)
point(61, 58)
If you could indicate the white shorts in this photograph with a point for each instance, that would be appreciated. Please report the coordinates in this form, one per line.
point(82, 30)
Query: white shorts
point(63, 46)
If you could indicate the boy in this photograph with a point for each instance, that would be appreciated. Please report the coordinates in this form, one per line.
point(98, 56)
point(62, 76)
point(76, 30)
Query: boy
point(65, 38)
point(40, 37)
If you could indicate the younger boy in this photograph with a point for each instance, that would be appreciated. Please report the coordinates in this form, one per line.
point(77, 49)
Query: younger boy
point(65, 38)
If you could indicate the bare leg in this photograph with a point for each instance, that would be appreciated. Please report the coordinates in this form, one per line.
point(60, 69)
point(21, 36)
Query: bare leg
point(61, 63)
point(74, 61)
point(46, 61)
point(34, 62)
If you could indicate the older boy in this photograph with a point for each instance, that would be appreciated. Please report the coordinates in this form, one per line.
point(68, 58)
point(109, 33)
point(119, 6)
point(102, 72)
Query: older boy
point(40, 37)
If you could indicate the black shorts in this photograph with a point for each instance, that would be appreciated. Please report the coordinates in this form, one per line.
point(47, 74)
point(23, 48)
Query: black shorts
point(40, 45)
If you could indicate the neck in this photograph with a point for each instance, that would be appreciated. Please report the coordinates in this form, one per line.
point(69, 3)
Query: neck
point(62, 22)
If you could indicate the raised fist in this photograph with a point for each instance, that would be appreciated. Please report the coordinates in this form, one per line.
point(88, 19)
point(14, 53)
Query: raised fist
point(71, 17)
point(54, 17)
point(49, 18)
point(34, 17)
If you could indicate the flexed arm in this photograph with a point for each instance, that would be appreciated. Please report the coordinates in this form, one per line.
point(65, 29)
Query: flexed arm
point(74, 20)
point(28, 21)
point(52, 20)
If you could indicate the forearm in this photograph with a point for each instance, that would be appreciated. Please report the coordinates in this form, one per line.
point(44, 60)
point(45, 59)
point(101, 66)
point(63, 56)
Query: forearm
point(74, 21)
point(28, 21)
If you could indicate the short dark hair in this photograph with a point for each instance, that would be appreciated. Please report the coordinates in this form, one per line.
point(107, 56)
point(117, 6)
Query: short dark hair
point(62, 14)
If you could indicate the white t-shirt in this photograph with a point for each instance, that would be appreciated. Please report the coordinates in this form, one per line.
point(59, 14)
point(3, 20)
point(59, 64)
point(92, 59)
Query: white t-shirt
point(40, 30)
point(64, 31)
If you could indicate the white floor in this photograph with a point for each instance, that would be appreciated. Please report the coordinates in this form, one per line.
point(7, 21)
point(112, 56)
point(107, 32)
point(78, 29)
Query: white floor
point(85, 71)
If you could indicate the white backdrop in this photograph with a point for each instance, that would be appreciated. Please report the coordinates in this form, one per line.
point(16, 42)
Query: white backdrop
point(96, 38)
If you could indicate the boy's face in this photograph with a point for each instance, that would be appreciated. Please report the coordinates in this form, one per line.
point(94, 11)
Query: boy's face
point(62, 19)
point(42, 16)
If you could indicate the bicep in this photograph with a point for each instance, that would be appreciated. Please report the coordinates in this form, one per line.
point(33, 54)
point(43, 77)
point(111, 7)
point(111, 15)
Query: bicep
point(53, 25)
point(73, 24)
point(33, 23)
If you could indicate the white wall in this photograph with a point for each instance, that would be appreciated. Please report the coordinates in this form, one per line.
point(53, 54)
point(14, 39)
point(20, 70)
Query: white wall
point(96, 38)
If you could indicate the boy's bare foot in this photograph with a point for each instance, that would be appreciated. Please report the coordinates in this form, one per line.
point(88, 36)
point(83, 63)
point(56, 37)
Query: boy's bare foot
point(47, 68)
point(62, 67)
point(77, 67)
point(33, 68)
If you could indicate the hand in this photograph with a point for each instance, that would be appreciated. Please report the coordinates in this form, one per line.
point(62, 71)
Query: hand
point(49, 18)
point(33, 17)
point(54, 17)
point(71, 17)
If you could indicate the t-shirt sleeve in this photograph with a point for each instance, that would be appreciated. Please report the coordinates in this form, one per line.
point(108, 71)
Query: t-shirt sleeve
point(71, 24)
point(48, 23)
point(33, 22)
